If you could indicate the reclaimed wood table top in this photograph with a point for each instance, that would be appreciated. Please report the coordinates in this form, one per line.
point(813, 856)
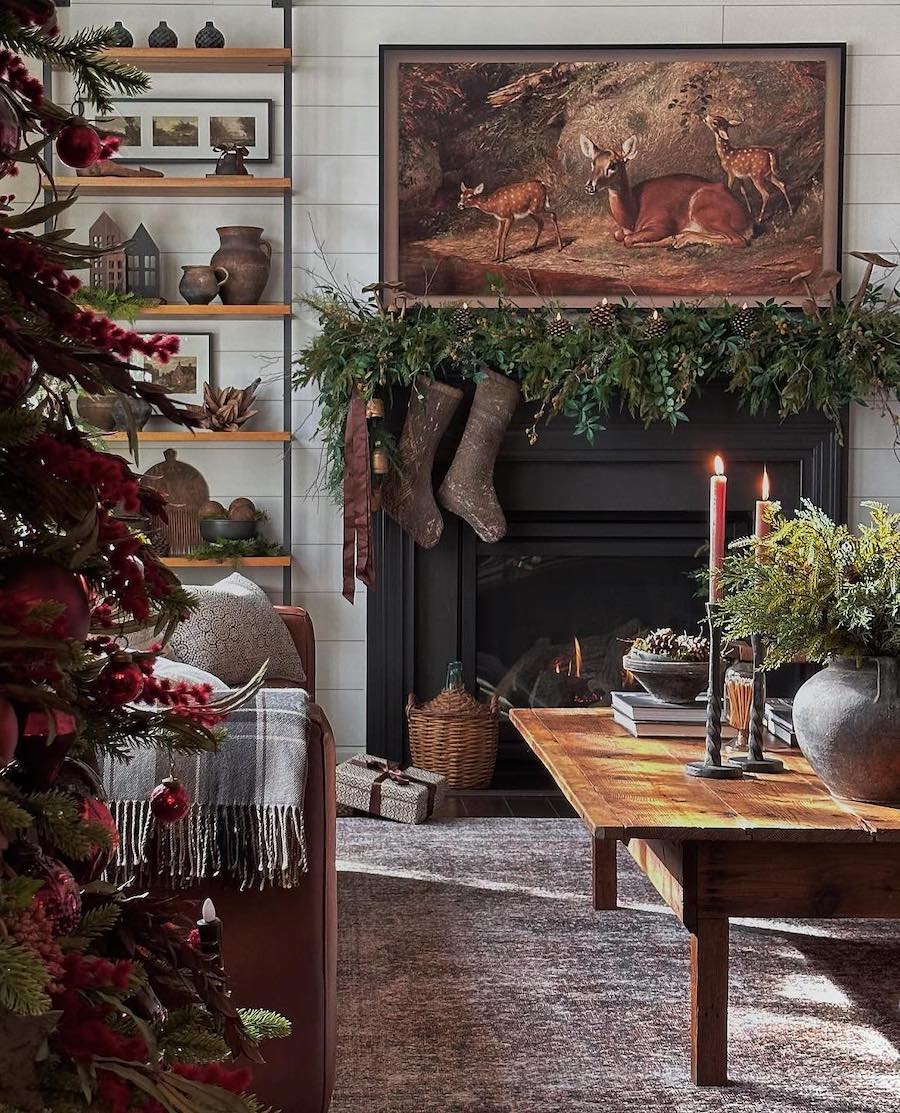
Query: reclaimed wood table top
point(625, 787)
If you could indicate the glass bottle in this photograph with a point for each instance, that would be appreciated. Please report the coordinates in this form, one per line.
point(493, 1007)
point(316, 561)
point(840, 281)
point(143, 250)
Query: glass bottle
point(455, 676)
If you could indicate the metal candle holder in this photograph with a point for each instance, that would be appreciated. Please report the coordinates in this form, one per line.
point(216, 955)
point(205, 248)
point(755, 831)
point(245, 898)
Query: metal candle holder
point(755, 761)
point(712, 767)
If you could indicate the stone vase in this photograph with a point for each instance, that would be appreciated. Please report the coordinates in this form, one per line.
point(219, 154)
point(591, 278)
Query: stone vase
point(200, 284)
point(847, 721)
point(248, 259)
point(162, 36)
point(209, 37)
point(123, 37)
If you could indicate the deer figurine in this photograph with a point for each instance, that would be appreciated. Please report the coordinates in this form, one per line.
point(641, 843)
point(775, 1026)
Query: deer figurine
point(759, 164)
point(673, 210)
point(508, 204)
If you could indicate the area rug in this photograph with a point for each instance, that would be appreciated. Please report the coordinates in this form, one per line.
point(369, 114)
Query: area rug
point(474, 975)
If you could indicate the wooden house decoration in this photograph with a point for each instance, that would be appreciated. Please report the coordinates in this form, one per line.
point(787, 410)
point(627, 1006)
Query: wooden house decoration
point(142, 264)
point(107, 270)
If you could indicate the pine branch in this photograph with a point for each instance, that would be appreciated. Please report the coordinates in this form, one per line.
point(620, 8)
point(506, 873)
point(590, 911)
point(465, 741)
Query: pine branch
point(79, 53)
point(12, 817)
point(19, 426)
point(263, 1024)
point(22, 980)
point(60, 823)
point(95, 923)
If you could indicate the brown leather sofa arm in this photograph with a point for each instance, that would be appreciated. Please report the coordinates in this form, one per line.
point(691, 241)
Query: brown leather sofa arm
point(300, 627)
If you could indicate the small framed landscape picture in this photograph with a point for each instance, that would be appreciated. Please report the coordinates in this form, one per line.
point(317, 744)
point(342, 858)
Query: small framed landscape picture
point(184, 375)
point(153, 130)
point(654, 173)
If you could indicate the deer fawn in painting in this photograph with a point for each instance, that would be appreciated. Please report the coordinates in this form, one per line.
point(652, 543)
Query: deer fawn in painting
point(670, 211)
point(510, 203)
point(759, 164)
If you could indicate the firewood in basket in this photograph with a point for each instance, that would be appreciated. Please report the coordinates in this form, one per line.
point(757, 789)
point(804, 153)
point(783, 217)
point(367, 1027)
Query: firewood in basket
point(228, 408)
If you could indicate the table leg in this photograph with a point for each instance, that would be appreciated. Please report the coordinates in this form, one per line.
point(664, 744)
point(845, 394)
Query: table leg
point(709, 1002)
point(604, 876)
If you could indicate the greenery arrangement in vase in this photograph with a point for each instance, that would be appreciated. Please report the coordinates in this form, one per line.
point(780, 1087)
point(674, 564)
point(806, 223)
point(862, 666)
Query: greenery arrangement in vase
point(818, 591)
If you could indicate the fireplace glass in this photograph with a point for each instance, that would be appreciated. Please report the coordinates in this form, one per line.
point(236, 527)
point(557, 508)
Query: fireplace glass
point(553, 619)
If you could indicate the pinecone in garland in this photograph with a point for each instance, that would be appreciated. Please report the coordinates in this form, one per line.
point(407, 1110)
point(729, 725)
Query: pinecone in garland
point(463, 320)
point(559, 328)
point(743, 321)
point(657, 326)
point(603, 315)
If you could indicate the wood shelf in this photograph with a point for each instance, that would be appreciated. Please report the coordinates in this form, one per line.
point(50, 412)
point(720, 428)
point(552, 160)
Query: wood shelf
point(180, 59)
point(220, 186)
point(246, 562)
point(220, 311)
point(184, 436)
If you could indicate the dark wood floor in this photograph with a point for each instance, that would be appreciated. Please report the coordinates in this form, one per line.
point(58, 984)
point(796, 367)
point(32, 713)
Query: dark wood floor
point(522, 805)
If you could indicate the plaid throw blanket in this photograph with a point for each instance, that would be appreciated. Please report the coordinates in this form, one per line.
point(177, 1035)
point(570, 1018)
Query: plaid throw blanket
point(246, 818)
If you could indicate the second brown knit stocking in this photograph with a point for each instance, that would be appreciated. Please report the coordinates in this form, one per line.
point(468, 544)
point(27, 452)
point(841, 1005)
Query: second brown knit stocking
point(468, 488)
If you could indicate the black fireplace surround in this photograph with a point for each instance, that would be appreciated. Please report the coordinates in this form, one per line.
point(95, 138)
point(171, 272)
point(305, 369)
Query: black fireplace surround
point(602, 541)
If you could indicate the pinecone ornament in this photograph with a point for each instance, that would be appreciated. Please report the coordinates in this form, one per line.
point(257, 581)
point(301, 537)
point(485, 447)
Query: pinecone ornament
point(663, 641)
point(559, 328)
point(603, 315)
point(657, 326)
point(743, 321)
point(463, 320)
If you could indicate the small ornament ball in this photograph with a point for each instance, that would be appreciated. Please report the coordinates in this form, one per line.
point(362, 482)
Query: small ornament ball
point(169, 801)
point(121, 681)
point(29, 582)
point(78, 145)
point(60, 895)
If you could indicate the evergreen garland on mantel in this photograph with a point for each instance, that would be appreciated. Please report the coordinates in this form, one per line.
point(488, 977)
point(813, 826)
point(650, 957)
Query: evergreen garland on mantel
point(770, 357)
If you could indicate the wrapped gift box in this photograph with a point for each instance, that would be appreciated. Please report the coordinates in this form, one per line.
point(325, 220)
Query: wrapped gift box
point(373, 785)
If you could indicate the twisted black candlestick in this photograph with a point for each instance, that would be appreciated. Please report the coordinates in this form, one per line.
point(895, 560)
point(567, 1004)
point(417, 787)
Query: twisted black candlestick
point(755, 761)
point(713, 766)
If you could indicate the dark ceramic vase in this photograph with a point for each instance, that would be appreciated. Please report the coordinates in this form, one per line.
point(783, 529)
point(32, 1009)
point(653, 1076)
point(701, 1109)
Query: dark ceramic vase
point(248, 259)
point(123, 37)
point(200, 284)
point(847, 719)
point(162, 36)
point(209, 37)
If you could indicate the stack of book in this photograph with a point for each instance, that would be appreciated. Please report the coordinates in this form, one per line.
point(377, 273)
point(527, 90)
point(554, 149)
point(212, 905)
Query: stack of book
point(644, 716)
point(779, 720)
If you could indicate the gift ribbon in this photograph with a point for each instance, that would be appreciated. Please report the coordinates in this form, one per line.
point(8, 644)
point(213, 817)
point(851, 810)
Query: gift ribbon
point(391, 771)
point(358, 560)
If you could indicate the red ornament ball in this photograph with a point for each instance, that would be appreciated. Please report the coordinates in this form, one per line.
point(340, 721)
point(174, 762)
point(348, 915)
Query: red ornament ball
point(169, 801)
point(31, 581)
point(60, 895)
point(78, 145)
point(9, 731)
point(96, 811)
point(40, 758)
point(120, 682)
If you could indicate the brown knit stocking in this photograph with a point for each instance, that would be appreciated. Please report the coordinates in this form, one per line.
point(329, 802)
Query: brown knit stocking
point(468, 489)
point(408, 495)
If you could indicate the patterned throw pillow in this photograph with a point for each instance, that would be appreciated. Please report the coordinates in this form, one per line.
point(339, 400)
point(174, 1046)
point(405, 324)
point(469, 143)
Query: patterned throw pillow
point(233, 631)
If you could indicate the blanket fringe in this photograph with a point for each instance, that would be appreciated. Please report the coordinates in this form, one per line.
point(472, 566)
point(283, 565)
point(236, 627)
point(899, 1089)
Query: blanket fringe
point(254, 846)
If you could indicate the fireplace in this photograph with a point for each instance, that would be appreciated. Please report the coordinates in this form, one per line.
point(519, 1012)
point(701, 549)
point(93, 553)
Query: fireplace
point(603, 542)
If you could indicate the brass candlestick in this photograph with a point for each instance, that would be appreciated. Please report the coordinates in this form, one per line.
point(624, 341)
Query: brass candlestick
point(755, 761)
point(712, 767)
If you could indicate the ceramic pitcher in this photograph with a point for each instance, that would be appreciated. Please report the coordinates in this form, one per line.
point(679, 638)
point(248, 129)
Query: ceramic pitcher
point(248, 259)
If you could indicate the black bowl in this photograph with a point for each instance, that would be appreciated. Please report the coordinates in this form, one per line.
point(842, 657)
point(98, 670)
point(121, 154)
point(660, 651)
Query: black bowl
point(224, 529)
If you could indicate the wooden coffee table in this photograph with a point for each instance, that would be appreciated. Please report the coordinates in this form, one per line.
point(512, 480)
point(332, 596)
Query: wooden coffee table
point(769, 846)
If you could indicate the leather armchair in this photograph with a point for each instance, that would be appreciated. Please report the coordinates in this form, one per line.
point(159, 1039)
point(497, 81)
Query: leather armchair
point(280, 945)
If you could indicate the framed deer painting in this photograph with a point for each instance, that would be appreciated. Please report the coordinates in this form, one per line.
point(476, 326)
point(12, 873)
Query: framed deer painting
point(658, 174)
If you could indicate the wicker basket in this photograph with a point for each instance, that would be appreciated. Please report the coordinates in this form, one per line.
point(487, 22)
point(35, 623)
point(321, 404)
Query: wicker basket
point(455, 735)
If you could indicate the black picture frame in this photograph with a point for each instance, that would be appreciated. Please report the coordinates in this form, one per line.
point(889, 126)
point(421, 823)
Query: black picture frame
point(191, 154)
point(395, 267)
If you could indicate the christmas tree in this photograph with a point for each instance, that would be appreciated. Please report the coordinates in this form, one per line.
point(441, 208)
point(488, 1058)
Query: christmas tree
point(107, 1001)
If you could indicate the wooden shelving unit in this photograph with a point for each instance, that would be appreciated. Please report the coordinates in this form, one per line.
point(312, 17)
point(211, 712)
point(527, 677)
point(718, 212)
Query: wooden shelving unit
point(222, 62)
point(217, 186)
point(244, 562)
point(266, 310)
point(182, 436)
point(229, 59)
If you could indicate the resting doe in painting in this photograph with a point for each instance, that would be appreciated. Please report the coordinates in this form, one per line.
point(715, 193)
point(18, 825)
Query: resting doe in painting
point(654, 174)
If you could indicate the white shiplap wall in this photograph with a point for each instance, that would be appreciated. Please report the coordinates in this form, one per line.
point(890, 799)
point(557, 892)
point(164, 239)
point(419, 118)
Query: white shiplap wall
point(335, 171)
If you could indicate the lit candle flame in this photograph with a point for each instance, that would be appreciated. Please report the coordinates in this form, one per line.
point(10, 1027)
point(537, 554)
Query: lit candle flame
point(719, 465)
point(208, 911)
point(578, 658)
point(765, 485)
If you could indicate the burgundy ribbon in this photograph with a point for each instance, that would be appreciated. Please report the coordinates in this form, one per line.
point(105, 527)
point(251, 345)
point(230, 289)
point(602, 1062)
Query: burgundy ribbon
point(358, 560)
point(391, 771)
